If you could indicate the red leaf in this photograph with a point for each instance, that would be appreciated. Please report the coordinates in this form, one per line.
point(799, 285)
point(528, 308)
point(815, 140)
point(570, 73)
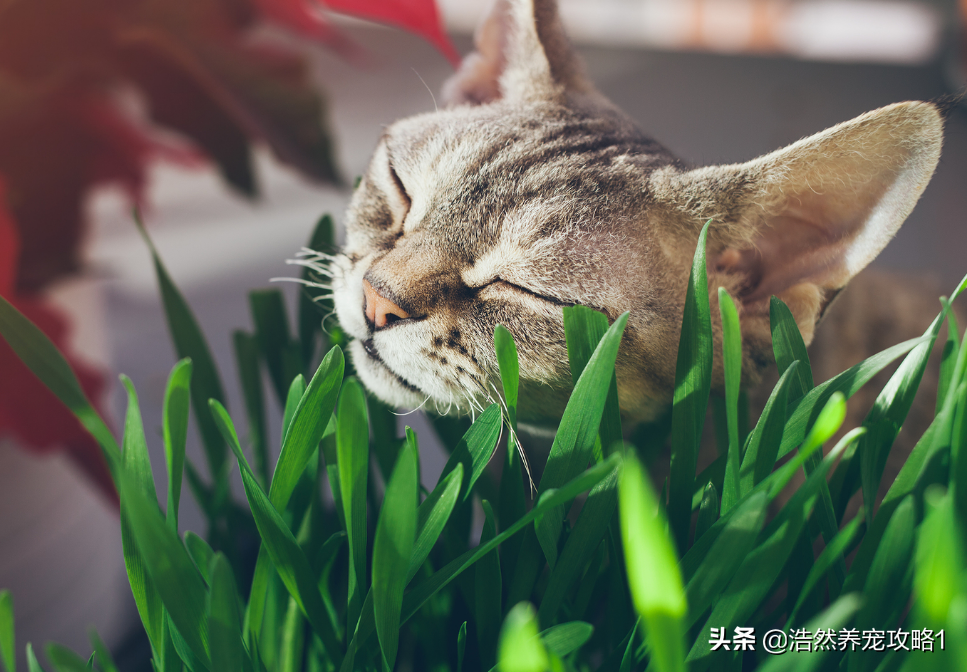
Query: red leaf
point(29, 411)
point(418, 16)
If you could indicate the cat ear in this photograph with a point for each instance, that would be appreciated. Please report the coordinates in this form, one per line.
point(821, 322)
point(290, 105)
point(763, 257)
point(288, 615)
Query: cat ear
point(521, 54)
point(800, 222)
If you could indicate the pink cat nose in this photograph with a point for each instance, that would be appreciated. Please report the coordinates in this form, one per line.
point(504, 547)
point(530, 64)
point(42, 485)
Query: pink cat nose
point(380, 311)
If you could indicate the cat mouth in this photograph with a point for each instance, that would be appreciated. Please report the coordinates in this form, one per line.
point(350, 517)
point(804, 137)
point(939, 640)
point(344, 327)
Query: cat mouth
point(370, 348)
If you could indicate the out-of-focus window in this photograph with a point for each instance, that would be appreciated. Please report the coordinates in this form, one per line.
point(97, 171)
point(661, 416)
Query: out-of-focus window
point(897, 31)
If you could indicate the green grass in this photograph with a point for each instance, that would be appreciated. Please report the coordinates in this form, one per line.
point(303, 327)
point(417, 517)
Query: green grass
point(597, 572)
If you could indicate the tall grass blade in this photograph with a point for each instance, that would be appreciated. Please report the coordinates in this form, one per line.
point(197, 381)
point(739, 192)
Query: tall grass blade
point(511, 504)
point(888, 414)
point(948, 358)
point(314, 307)
point(201, 553)
point(65, 660)
point(693, 381)
point(887, 586)
point(566, 638)
point(101, 654)
point(47, 363)
point(487, 593)
point(307, 426)
point(583, 329)
point(393, 549)
point(250, 380)
point(169, 566)
point(708, 510)
point(832, 554)
point(137, 465)
point(190, 342)
point(292, 646)
point(432, 516)
point(224, 622)
point(352, 445)
point(32, 664)
point(273, 338)
point(297, 388)
point(571, 450)
point(520, 648)
point(763, 445)
point(653, 575)
point(461, 645)
point(726, 555)
point(788, 346)
point(834, 618)
point(174, 422)
point(281, 546)
point(590, 528)
point(475, 449)
point(732, 361)
point(8, 640)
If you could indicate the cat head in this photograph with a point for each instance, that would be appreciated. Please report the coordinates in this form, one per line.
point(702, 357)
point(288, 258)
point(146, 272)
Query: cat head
point(530, 191)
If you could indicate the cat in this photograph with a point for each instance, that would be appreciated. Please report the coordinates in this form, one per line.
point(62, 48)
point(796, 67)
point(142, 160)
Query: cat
point(529, 190)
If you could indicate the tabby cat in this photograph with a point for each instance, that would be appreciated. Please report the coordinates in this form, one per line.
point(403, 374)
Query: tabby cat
point(529, 191)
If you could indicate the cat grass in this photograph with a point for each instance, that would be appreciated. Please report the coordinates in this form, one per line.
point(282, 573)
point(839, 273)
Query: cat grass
point(591, 568)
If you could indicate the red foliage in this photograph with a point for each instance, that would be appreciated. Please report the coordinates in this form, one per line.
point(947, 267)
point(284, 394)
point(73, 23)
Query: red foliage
point(29, 412)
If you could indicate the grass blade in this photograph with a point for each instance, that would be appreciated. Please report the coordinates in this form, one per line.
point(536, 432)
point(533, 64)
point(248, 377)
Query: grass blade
point(732, 361)
point(307, 426)
point(102, 655)
point(487, 595)
point(591, 526)
point(461, 645)
point(352, 445)
point(788, 346)
point(571, 450)
point(948, 359)
point(432, 516)
point(201, 553)
point(174, 421)
point(272, 336)
point(763, 446)
point(566, 638)
point(888, 414)
point(190, 342)
point(171, 569)
point(314, 307)
point(583, 329)
point(708, 510)
point(653, 575)
point(137, 465)
point(834, 618)
point(297, 388)
point(887, 586)
point(393, 549)
point(250, 379)
point(511, 503)
point(475, 449)
point(65, 660)
point(224, 622)
point(693, 381)
point(47, 363)
point(726, 555)
point(520, 648)
point(831, 554)
point(280, 544)
point(8, 641)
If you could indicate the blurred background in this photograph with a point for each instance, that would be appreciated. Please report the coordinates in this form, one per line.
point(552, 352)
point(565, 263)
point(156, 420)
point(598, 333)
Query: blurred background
point(713, 80)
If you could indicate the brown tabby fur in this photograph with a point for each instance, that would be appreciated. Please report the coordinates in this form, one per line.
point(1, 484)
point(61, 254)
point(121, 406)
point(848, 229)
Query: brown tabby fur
point(530, 191)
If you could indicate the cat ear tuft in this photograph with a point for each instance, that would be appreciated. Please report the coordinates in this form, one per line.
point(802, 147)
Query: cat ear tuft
point(800, 222)
point(521, 54)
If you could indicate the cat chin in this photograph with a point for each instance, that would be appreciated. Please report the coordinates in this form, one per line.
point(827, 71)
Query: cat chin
point(381, 381)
